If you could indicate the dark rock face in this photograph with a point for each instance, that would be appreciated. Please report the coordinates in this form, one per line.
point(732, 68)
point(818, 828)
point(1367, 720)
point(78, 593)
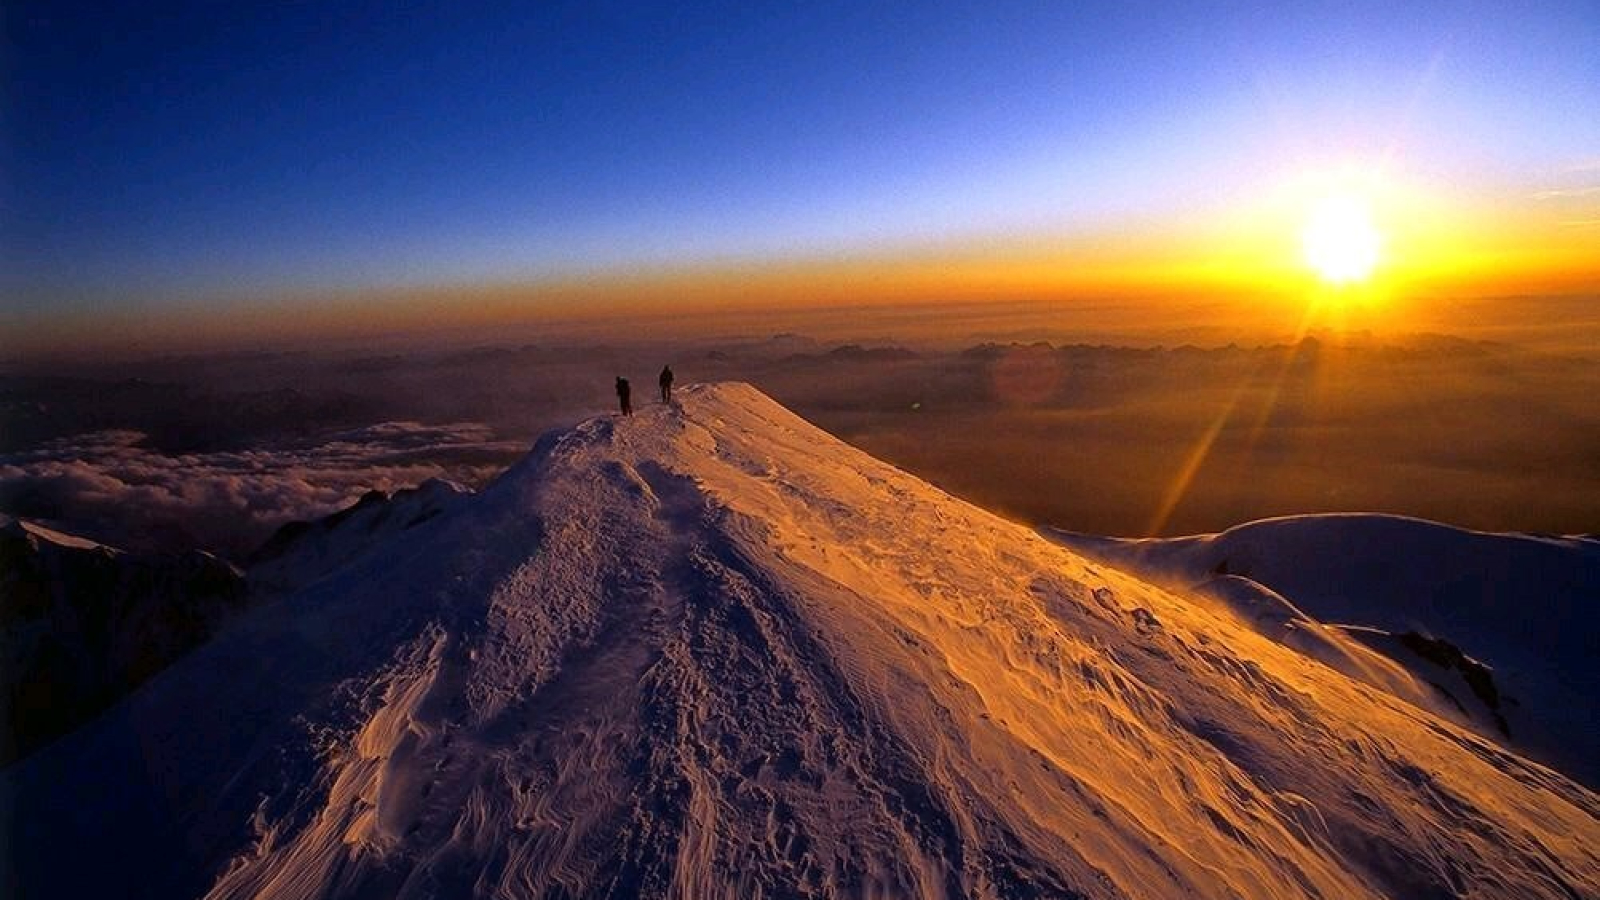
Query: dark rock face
point(82, 624)
point(1478, 676)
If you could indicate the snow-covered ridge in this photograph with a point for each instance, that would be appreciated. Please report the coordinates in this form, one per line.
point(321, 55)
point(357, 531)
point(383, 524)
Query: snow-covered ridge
point(300, 553)
point(1495, 630)
point(710, 651)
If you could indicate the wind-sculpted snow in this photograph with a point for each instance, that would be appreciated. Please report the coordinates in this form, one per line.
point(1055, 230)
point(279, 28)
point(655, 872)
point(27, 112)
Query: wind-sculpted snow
point(1514, 613)
point(709, 651)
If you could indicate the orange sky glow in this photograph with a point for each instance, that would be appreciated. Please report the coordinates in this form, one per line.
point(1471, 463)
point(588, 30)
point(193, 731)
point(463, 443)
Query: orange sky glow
point(1231, 272)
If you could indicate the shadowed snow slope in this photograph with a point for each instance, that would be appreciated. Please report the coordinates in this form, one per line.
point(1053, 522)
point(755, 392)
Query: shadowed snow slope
point(301, 552)
point(710, 651)
point(1522, 604)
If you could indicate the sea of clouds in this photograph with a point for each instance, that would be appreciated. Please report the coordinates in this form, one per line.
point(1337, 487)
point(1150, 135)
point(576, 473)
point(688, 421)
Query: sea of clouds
point(114, 486)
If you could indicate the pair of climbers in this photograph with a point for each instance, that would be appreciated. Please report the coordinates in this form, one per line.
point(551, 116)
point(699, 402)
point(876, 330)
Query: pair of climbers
point(625, 391)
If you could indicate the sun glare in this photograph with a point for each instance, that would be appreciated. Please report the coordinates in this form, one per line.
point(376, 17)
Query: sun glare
point(1339, 241)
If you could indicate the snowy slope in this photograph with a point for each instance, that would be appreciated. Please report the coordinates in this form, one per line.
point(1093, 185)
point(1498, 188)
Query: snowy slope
point(1524, 606)
point(711, 652)
point(299, 553)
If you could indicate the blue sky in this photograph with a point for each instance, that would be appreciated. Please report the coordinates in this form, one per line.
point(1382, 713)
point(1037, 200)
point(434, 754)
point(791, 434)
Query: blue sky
point(181, 150)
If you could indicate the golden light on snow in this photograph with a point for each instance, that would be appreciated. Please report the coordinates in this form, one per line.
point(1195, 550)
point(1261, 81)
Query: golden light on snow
point(1339, 241)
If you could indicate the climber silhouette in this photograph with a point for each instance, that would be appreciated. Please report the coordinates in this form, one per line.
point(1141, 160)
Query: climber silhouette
point(666, 384)
point(623, 396)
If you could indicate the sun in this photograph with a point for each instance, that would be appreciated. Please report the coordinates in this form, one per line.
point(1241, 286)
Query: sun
point(1339, 241)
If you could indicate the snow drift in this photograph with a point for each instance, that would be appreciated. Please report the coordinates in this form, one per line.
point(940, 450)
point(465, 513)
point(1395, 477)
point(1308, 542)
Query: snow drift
point(711, 651)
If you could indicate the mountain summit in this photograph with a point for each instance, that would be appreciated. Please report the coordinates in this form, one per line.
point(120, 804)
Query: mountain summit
point(711, 651)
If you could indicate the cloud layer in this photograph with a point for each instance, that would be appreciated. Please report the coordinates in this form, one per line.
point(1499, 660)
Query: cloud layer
point(127, 493)
point(218, 451)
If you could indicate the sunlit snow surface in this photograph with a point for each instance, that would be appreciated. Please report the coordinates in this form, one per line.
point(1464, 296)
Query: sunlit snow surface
point(710, 651)
point(1344, 587)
